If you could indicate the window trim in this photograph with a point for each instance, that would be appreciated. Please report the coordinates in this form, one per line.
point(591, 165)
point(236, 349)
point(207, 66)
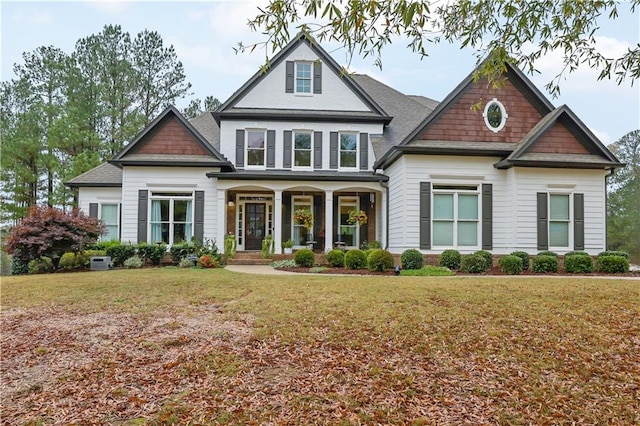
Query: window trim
point(118, 225)
point(293, 149)
point(356, 135)
point(455, 190)
point(246, 150)
point(570, 222)
point(503, 113)
point(296, 78)
point(167, 195)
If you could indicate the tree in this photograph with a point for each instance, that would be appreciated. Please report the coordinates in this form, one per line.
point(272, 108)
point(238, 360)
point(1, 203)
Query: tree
point(51, 232)
point(194, 108)
point(500, 31)
point(623, 218)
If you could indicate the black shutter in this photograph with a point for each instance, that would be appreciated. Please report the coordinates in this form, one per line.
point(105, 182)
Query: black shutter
point(333, 150)
point(364, 229)
point(317, 220)
point(286, 217)
point(198, 217)
point(364, 151)
point(578, 221)
point(317, 77)
point(317, 150)
point(143, 205)
point(487, 216)
point(271, 148)
point(290, 69)
point(543, 225)
point(239, 148)
point(93, 209)
point(286, 161)
point(425, 215)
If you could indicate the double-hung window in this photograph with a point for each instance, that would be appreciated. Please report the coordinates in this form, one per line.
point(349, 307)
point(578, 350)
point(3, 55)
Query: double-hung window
point(559, 220)
point(304, 77)
point(348, 150)
point(109, 215)
point(455, 216)
point(302, 149)
point(171, 217)
point(256, 140)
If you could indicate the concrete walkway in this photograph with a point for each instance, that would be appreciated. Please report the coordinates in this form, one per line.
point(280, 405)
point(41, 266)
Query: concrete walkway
point(257, 269)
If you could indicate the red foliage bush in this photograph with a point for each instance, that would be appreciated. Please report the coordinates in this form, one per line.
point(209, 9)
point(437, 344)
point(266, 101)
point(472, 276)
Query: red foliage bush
point(50, 232)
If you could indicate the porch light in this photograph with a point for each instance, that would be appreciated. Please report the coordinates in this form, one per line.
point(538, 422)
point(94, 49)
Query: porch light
point(231, 203)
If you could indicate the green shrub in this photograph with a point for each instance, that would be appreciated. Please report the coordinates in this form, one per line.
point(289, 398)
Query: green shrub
point(41, 265)
point(548, 253)
point(411, 259)
point(134, 262)
point(335, 258)
point(103, 245)
point(576, 253)
point(153, 252)
point(304, 257)
point(473, 264)
point(368, 252)
point(268, 247)
point(18, 267)
point(488, 257)
point(355, 259)
point(206, 261)
point(610, 264)
point(230, 246)
point(525, 258)
point(450, 259)
point(511, 265)
point(542, 264)
point(427, 271)
point(181, 251)
point(364, 246)
point(72, 261)
point(614, 253)
point(380, 260)
point(186, 262)
point(282, 264)
point(578, 263)
point(120, 252)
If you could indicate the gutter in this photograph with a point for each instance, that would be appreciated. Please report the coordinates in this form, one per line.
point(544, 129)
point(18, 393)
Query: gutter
point(385, 185)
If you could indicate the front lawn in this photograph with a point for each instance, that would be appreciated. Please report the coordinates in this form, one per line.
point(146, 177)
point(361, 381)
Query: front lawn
point(166, 345)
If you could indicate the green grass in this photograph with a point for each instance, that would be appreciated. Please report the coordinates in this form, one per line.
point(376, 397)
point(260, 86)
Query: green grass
point(211, 346)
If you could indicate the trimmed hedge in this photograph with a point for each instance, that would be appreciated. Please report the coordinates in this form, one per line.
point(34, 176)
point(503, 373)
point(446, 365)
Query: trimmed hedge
point(153, 252)
point(488, 257)
point(355, 259)
point(578, 263)
point(120, 252)
point(473, 264)
point(304, 257)
point(525, 258)
point(542, 264)
point(548, 253)
point(613, 264)
point(335, 258)
point(411, 259)
point(450, 259)
point(511, 264)
point(577, 253)
point(614, 253)
point(380, 260)
point(41, 265)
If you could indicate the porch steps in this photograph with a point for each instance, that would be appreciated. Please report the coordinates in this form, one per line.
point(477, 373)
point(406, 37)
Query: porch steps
point(254, 258)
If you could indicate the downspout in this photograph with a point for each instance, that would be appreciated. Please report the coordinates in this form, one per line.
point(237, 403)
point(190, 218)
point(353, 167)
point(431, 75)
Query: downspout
point(606, 208)
point(385, 185)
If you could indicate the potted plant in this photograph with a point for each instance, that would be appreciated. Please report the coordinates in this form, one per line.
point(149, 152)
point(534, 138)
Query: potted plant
point(267, 247)
point(288, 246)
point(357, 216)
point(304, 217)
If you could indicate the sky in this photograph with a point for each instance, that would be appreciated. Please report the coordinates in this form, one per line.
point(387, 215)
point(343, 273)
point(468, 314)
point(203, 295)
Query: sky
point(204, 33)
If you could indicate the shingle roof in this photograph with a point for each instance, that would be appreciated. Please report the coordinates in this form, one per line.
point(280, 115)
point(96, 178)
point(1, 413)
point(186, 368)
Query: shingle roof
point(207, 126)
point(104, 175)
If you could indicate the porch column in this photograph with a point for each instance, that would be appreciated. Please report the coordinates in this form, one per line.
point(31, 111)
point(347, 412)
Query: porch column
point(328, 220)
point(384, 220)
point(277, 220)
point(222, 219)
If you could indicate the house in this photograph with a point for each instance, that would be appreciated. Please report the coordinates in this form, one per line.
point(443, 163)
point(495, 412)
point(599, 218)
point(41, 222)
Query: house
point(518, 174)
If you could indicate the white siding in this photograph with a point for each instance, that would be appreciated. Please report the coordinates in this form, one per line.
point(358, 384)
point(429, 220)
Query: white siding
point(270, 91)
point(228, 136)
point(90, 195)
point(175, 179)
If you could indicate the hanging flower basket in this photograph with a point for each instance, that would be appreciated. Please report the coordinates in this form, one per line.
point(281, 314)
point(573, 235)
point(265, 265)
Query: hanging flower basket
point(303, 217)
point(357, 216)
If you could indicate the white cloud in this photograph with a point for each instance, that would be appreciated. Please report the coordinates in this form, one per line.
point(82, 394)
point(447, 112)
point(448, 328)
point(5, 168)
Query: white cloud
point(31, 16)
point(112, 7)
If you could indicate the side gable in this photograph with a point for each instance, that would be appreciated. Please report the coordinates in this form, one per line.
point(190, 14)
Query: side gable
point(558, 140)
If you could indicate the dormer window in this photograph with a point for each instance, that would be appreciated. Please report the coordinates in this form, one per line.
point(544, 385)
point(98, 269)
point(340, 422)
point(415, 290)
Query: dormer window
point(303, 77)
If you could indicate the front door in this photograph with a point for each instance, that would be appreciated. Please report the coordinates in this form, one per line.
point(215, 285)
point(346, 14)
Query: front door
point(254, 225)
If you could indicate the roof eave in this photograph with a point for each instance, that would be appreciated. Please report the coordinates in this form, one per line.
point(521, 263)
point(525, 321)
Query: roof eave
point(338, 177)
point(95, 184)
point(172, 163)
point(230, 115)
point(507, 164)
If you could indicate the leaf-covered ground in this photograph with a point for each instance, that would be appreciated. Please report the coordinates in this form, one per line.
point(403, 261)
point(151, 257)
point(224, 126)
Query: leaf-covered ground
point(166, 346)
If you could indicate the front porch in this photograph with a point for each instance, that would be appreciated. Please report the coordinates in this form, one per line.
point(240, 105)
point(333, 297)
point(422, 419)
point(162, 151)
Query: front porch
point(251, 213)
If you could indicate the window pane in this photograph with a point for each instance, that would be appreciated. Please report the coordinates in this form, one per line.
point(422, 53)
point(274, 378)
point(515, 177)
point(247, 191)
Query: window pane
point(109, 214)
point(468, 233)
point(348, 235)
point(443, 234)
point(303, 86)
point(467, 206)
point(179, 234)
point(180, 210)
point(443, 206)
point(160, 210)
point(255, 140)
point(112, 233)
point(559, 207)
point(303, 158)
point(348, 142)
point(255, 157)
point(559, 234)
point(160, 233)
point(303, 141)
point(303, 70)
point(347, 159)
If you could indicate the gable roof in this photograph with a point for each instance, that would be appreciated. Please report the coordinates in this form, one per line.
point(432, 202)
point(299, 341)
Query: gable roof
point(129, 155)
point(227, 109)
point(598, 155)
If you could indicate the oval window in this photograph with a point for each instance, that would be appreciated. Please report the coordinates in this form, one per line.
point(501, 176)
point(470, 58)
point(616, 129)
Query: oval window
point(495, 116)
